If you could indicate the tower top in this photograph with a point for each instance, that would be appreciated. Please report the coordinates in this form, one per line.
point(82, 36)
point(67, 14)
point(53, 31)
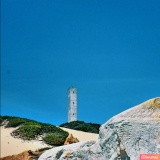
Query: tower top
point(72, 90)
point(71, 87)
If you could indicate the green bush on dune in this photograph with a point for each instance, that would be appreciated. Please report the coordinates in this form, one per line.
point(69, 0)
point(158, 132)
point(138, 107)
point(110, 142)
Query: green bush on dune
point(55, 138)
point(28, 131)
point(82, 126)
point(31, 129)
point(1, 120)
point(15, 121)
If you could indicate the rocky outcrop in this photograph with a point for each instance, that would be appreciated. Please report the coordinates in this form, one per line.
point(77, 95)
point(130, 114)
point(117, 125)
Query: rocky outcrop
point(26, 155)
point(67, 151)
point(70, 139)
point(123, 137)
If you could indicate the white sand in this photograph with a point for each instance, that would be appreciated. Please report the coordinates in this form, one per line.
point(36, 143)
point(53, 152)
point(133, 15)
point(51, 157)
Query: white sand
point(10, 145)
point(82, 136)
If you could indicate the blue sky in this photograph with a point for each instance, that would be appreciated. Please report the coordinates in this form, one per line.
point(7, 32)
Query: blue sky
point(108, 50)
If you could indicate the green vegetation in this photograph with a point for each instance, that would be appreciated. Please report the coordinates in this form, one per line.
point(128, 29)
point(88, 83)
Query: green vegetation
point(1, 120)
point(55, 138)
point(52, 135)
point(82, 126)
point(15, 121)
point(30, 129)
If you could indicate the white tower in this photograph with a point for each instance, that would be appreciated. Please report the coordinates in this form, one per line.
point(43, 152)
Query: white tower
point(72, 104)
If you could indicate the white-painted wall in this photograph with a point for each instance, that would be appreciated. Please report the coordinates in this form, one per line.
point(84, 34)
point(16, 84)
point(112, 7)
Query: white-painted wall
point(72, 104)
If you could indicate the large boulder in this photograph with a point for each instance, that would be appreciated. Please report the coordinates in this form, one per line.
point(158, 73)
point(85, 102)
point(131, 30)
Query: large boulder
point(124, 137)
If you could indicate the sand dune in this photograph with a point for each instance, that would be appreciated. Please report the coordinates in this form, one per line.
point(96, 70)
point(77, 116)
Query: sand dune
point(82, 136)
point(10, 145)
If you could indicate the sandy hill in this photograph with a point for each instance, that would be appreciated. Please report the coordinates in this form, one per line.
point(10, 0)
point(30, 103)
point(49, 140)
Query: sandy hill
point(10, 145)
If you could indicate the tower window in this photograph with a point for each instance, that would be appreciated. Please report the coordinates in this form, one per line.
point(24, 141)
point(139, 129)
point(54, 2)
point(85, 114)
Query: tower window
point(73, 91)
point(73, 102)
point(73, 113)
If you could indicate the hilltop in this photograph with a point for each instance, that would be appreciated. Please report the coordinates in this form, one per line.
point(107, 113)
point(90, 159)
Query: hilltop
point(21, 134)
point(32, 130)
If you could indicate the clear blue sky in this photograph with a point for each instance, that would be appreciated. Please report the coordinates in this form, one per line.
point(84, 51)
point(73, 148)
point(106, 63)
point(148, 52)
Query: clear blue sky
point(108, 50)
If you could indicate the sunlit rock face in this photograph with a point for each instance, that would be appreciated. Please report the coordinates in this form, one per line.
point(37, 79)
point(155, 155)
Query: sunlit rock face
point(124, 137)
point(70, 139)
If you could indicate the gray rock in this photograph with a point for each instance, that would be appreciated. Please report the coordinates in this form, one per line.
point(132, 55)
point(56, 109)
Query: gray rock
point(124, 137)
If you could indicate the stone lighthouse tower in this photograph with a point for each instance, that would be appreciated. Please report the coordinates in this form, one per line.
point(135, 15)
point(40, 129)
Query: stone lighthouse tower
point(72, 104)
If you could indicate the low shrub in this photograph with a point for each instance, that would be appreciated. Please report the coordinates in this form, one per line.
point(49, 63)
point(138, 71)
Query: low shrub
point(56, 138)
point(1, 120)
point(28, 131)
point(48, 128)
point(15, 121)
